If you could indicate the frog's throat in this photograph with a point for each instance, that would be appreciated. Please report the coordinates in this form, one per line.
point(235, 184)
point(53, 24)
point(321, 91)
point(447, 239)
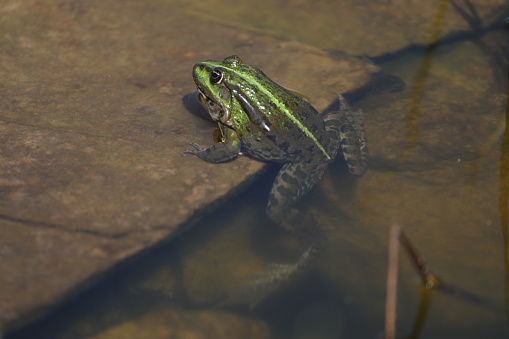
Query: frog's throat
point(218, 113)
point(279, 104)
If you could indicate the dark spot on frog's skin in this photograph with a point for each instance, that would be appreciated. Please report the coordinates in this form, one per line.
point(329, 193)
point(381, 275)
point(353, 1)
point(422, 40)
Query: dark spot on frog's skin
point(289, 179)
point(303, 115)
point(329, 123)
point(271, 138)
point(146, 110)
point(314, 130)
point(298, 172)
point(283, 191)
point(286, 125)
point(284, 145)
point(297, 152)
point(311, 149)
point(347, 129)
point(347, 142)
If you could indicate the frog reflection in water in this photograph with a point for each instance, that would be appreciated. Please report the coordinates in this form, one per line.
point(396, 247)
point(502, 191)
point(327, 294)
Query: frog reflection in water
point(258, 117)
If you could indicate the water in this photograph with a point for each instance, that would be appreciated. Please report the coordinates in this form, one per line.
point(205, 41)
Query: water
point(439, 169)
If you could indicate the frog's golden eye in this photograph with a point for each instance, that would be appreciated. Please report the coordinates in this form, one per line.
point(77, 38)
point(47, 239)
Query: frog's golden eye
point(216, 76)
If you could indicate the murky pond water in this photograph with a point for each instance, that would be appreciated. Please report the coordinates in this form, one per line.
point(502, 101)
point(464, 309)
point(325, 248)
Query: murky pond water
point(439, 169)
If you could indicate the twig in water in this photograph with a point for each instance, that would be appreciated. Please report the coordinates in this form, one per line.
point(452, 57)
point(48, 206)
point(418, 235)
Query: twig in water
point(392, 283)
point(429, 279)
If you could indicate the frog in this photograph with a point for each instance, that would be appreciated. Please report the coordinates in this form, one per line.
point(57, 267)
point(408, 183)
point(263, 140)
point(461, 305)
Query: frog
point(257, 117)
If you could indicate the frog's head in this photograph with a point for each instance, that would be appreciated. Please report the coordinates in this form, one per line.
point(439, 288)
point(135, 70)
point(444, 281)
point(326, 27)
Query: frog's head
point(214, 81)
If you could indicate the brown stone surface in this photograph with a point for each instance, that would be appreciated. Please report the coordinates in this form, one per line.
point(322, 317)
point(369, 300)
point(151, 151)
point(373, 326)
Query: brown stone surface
point(370, 28)
point(92, 123)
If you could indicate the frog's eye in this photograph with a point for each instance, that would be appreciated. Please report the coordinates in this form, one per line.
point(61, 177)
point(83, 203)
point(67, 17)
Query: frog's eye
point(216, 76)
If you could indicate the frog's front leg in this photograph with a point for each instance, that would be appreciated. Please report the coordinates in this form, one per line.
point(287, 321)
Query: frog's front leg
point(225, 151)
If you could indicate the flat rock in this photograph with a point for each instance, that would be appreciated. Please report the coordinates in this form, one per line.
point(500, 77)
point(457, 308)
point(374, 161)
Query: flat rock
point(92, 123)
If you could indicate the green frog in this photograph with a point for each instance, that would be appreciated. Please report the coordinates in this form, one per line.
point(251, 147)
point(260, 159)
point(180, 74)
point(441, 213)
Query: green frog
point(258, 117)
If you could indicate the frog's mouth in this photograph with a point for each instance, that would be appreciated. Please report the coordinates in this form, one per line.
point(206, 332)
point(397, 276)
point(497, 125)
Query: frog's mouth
point(217, 112)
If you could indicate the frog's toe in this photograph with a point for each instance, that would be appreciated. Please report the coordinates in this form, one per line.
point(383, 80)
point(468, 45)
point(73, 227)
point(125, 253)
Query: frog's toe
point(197, 148)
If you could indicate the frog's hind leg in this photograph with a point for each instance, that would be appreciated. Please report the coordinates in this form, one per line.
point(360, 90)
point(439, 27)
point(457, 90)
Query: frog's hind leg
point(291, 183)
point(263, 283)
point(345, 129)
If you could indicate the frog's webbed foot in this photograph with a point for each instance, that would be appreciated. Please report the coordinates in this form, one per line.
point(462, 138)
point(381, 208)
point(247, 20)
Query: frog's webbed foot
point(197, 149)
point(215, 153)
point(260, 285)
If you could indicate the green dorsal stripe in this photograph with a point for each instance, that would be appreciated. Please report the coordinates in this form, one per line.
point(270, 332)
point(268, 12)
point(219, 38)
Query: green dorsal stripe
point(281, 106)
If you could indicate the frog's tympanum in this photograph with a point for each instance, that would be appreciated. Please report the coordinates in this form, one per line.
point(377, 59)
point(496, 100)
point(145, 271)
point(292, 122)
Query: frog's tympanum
point(258, 117)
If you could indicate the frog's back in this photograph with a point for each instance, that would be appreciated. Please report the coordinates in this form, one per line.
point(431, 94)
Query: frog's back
point(296, 132)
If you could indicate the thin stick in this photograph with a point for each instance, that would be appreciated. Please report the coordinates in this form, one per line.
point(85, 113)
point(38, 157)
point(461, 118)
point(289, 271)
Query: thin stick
point(432, 281)
point(392, 283)
point(429, 279)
